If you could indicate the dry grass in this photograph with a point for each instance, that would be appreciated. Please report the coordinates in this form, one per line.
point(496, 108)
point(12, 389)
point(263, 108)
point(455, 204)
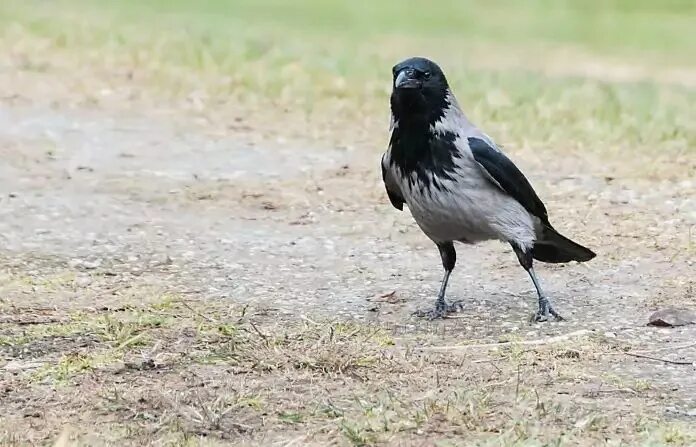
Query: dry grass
point(93, 357)
point(246, 72)
point(174, 370)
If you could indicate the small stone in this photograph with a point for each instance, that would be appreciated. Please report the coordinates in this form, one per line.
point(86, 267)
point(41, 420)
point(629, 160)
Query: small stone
point(91, 264)
point(671, 317)
point(83, 281)
point(140, 366)
point(569, 354)
point(74, 263)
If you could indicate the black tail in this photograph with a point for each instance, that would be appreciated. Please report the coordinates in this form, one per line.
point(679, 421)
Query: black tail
point(553, 247)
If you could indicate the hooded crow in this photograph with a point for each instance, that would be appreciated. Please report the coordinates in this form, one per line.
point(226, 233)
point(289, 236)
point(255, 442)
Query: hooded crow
point(459, 186)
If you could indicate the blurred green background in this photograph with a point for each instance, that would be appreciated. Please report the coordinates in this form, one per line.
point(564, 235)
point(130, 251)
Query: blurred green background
point(551, 73)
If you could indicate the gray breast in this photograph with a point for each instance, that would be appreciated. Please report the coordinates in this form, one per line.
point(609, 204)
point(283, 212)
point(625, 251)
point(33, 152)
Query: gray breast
point(466, 207)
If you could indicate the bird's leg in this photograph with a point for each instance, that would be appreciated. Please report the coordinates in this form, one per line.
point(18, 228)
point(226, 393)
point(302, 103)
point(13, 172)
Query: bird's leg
point(449, 258)
point(546, 310)
point(440, 303)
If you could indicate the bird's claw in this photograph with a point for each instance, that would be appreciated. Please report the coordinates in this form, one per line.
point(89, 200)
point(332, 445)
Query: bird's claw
point(545, 312)
point(441, 310)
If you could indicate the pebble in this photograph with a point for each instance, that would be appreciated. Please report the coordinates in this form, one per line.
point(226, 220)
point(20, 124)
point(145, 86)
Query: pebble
point(83, 281)
point(91, 264)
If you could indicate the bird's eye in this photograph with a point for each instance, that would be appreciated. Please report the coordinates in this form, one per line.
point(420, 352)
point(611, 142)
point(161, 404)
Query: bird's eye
point(427, 75)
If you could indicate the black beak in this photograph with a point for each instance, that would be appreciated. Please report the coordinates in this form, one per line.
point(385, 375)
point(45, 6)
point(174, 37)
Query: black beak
point(407, 79)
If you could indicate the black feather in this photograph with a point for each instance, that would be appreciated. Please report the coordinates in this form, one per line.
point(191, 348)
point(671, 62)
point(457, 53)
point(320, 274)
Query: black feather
point(430, 156)
point(508, 177)
point(553, 247)
point(424, 106)
point(394, 197)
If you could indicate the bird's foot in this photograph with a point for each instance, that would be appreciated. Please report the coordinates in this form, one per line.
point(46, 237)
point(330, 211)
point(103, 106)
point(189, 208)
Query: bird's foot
point(545, 312)
point(441, 310)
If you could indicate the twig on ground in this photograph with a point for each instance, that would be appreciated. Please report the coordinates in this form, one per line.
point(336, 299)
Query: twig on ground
point(611, 390)
point(502, 359)
point(543, 341)
point(20, 322)
point(672, 362)
point(260, 334)
point(492, 362)
point(309, 320)
point(110, 291)
point(205, 317)
point(495, 384)
point(242, 314)
point(517, 384)
point(667, 348)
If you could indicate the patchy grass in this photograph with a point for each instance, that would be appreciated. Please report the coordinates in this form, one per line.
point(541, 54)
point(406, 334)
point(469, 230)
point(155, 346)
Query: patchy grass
point(609, 77)
point(175, 370)
point(611, 80)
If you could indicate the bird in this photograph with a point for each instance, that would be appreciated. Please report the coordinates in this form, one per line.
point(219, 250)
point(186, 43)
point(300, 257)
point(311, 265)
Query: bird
point(459, 185)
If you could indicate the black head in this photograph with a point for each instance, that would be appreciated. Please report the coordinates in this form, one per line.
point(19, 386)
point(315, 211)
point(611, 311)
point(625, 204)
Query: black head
point(420, 90)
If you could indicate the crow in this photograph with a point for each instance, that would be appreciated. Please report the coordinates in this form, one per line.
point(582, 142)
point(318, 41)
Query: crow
point(460, 186)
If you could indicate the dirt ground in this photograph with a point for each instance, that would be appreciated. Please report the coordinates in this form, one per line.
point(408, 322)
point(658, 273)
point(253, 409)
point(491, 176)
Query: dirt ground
point(168, 281)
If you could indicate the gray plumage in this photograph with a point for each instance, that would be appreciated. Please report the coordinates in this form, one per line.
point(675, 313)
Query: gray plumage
point(458, 185)
point(470, 206)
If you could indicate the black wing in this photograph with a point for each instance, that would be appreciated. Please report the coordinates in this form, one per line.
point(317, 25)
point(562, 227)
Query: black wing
point(392, 188)
point(505, 174)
